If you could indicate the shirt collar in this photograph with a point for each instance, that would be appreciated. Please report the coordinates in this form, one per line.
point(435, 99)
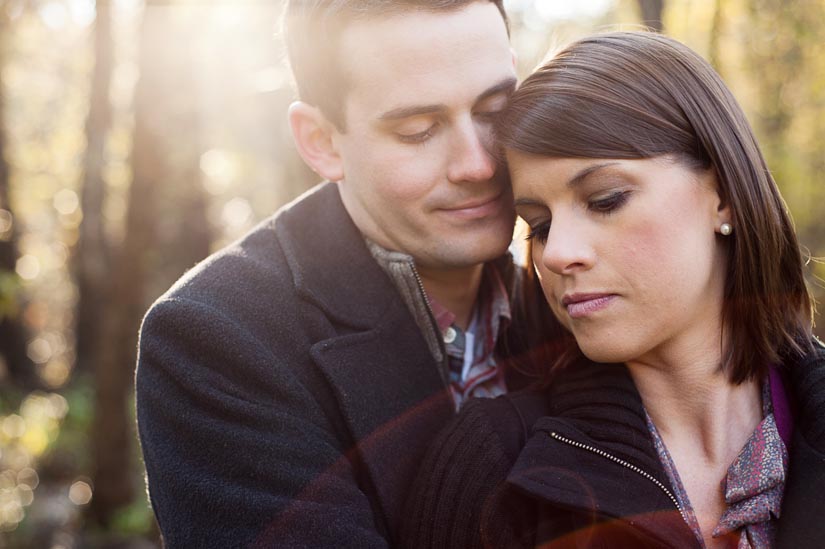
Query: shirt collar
point(492, 291)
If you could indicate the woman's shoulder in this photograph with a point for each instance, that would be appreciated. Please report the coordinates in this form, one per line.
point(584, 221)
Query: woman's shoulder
point(807, 380)
point(807, 371)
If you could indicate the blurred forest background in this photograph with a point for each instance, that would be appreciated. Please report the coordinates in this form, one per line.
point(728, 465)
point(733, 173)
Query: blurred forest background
point(136, 137)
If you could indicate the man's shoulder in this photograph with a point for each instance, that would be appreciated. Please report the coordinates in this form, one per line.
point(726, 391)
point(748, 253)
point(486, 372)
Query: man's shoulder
point(256, 264)
point(252, 265)
point(305, 264)
point(245, 292)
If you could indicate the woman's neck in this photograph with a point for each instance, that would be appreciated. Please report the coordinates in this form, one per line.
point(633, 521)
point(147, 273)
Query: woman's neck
point(697, 405)
point(690, 398)
point(704, 421)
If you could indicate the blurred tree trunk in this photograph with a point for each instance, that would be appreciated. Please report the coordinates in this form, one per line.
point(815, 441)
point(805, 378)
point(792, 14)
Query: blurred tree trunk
point(190, 240)
point(652, 13)
point(784, 43)
point(776, 45)
point(13, 357)
point(166, 232)
point(112, 431)
point(716, 29)
point(776, 53)
point(91, 255)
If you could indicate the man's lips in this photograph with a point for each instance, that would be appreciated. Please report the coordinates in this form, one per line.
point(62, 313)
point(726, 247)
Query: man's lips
point(582, 304)
point(475, 208)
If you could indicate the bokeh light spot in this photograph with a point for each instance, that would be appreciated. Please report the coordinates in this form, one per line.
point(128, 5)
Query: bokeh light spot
point(54, 15)
point(25, 494)
point(28, 267)
point(236, 213)
point(14, 426)
point(28, 477)
point(80, 493)
point(55, 372)
point(66, 201)
point(220, 171)
point(39, 350)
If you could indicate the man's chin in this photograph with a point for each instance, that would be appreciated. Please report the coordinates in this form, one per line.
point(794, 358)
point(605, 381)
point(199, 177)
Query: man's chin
point(462, 255)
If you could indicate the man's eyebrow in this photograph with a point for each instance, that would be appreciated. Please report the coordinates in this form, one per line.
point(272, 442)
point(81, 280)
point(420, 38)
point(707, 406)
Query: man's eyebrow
point(406, 112)
point(505, 86)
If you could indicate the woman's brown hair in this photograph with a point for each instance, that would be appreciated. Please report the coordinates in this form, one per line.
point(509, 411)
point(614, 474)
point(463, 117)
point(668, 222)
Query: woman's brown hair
point(631, 95)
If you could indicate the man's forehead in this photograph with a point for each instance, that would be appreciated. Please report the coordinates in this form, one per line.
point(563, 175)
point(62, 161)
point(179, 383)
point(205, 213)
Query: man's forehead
point(427, 59)
point(402, 33)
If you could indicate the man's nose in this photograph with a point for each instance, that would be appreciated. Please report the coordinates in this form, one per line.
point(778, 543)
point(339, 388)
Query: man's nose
point(471, 158)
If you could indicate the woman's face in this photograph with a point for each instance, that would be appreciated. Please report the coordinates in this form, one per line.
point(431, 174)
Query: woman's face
point(627, 251)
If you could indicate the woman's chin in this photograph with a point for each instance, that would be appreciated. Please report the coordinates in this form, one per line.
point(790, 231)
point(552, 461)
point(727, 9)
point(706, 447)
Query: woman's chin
point(604, 353)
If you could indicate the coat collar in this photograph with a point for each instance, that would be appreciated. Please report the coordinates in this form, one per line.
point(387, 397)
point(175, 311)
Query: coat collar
point(328, 258)
point(389, 391)
point(597, 406)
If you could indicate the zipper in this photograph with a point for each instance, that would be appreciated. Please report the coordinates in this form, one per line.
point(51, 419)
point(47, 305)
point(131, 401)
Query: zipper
point(625, 464)
point(445, 375)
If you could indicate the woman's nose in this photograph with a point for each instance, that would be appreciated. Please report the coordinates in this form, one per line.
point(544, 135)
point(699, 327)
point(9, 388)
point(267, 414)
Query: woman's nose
point(567, 248)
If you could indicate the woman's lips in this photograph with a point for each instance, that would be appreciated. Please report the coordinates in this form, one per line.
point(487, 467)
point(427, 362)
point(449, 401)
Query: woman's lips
point(581, 305)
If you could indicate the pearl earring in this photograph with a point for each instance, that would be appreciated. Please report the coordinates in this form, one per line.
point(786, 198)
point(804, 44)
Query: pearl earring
point(726, 229)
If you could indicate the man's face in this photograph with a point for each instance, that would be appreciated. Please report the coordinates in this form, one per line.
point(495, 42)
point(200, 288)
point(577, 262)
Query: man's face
point(418, 174)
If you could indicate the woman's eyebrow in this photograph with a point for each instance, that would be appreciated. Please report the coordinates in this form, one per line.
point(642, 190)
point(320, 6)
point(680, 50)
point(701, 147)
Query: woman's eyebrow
point(527, 202)
point(587, 172)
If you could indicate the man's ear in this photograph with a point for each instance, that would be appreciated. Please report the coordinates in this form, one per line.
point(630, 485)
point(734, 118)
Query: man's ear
point(313, 135)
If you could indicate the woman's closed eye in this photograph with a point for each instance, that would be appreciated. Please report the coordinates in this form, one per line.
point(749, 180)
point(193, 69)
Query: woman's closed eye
point(608, 203)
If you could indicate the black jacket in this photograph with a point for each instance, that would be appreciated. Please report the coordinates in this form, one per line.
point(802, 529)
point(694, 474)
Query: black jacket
point(521, 470)
point(285, 395)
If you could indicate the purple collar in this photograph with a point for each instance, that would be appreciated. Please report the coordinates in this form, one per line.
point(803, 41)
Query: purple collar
point(781, 406)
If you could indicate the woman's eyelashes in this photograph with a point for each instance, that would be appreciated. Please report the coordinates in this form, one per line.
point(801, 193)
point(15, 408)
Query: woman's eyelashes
point(539, 232)
point(608, 203)
point(603, 204)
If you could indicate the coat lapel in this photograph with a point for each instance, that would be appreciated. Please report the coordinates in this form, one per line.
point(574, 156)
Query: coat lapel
point(569, 477)
point(389, 390)
point(392, 399)
point(330, 264)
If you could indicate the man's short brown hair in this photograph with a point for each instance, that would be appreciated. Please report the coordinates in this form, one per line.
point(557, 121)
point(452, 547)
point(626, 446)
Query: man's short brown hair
point(313, 30)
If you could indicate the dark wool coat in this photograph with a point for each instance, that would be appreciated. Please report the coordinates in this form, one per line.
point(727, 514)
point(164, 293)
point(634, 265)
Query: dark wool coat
point(285, 394)
point(499, 476)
